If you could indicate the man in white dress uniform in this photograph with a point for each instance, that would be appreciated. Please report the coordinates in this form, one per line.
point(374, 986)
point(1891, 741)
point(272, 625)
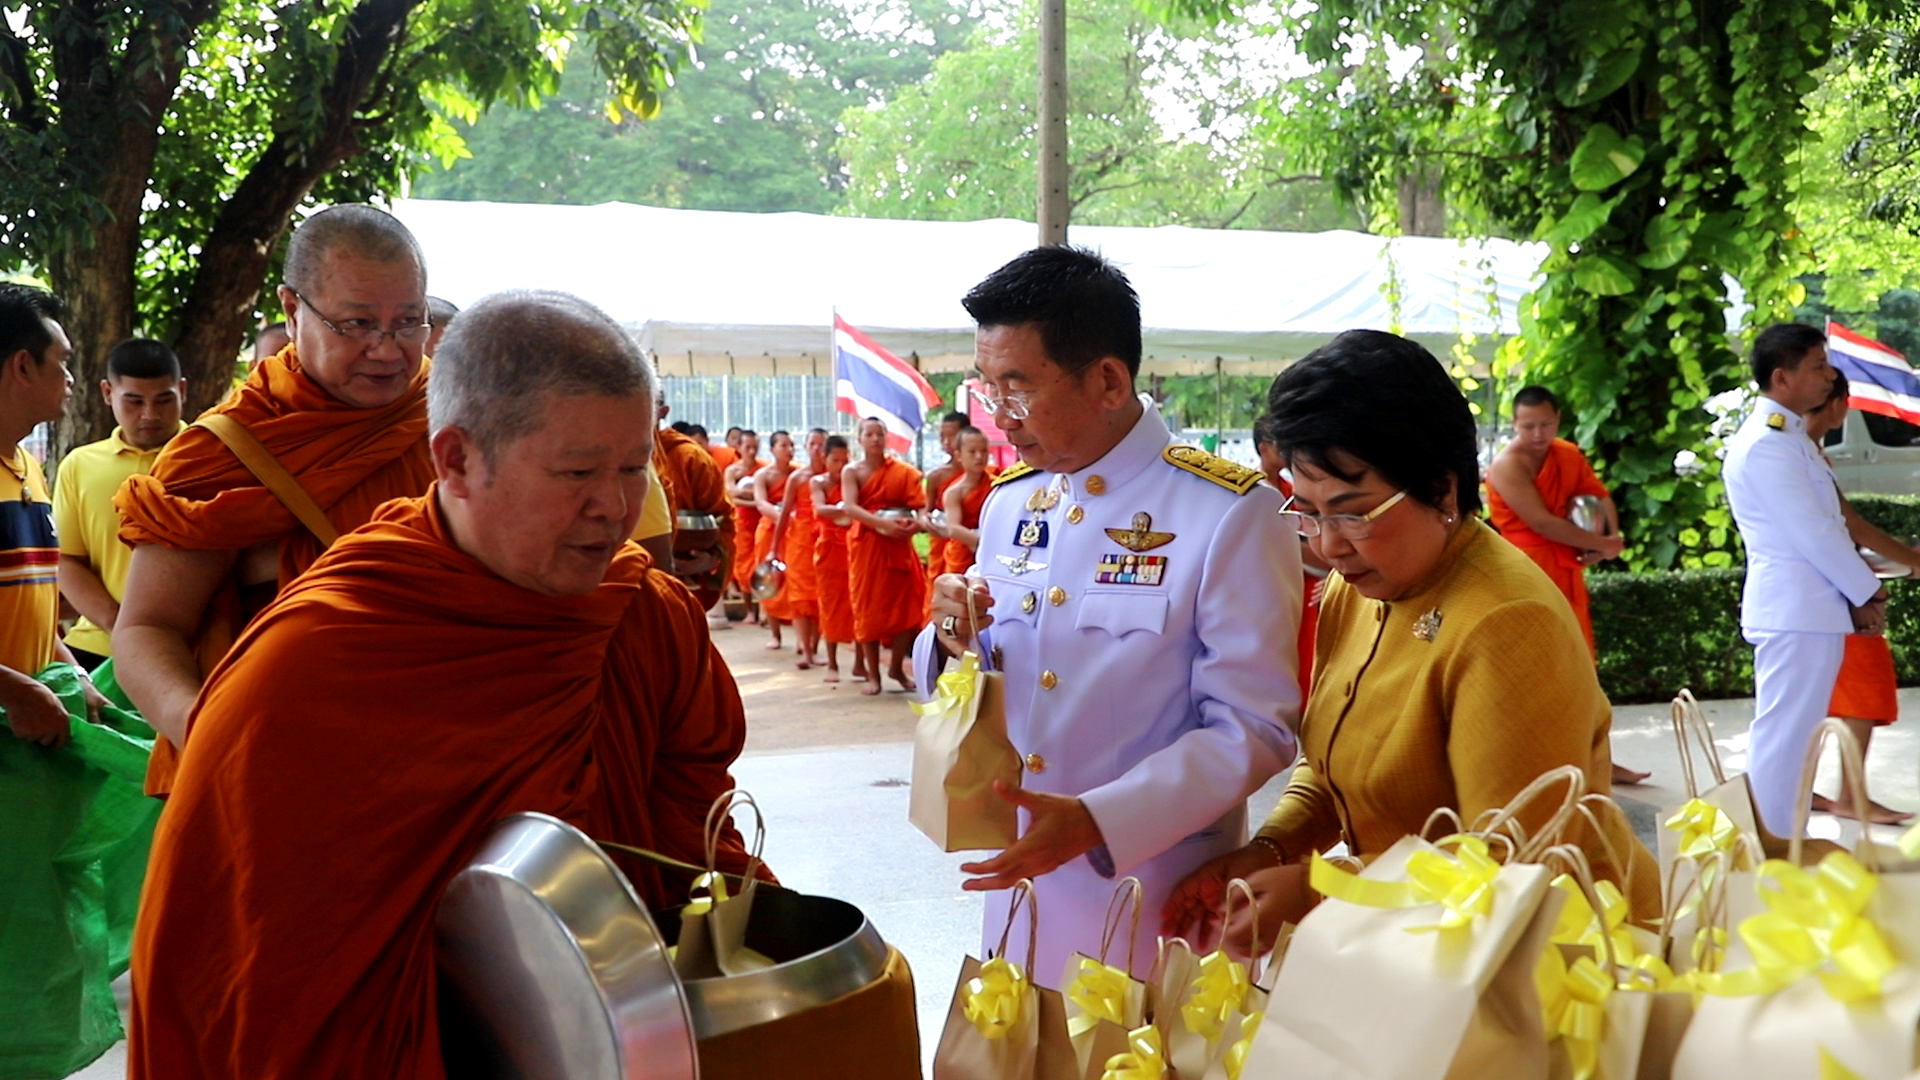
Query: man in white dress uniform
point(1141, 600)
point(1807, 587)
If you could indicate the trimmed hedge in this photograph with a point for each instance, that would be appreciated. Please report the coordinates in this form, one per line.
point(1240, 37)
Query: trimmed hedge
point(1661, 631)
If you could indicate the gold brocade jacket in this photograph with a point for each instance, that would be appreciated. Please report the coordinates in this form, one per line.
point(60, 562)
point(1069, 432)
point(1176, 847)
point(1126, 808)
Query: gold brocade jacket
point(1458, 694)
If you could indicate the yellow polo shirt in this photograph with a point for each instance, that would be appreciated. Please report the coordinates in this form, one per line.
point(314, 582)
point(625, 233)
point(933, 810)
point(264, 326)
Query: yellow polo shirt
point(656, 517)
point(29, 556)
point(89, 526)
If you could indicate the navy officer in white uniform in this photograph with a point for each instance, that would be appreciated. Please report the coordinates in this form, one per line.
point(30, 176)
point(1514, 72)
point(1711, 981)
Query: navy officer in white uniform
point(1141, 599)
point(1807, 587)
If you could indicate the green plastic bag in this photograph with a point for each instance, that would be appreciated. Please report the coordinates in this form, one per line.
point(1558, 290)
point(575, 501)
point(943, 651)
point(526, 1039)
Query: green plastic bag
point(70, 813)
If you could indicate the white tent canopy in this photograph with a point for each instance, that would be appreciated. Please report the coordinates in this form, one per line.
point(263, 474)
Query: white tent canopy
point(714, 293)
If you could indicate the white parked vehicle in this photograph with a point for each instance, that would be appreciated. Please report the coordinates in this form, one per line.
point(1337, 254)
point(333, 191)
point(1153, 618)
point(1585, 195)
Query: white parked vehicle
point(1876, 454)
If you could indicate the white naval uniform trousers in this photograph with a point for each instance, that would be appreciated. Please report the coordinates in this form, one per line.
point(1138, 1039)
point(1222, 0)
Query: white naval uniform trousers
point(1802, 572)
point(1162, 698)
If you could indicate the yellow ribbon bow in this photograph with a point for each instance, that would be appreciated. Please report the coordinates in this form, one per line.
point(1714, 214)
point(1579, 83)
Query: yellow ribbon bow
point(1813, 925)
point(1461, 882)
point(716, 886)
point(1832, 1069)
point(1219, 991)
point(1236, 1059)
point(1703, 829)
point(1101, 992)
point(954, 689)
point(1143, 1059)
point(1575, 1000)
point(1579, 925)
point(993, 999)
point(1909, 843)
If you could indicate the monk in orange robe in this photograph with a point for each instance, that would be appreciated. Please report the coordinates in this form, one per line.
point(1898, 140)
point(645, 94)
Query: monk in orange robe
point(794, 539)
point(1530, 489)
point(830, 559)
point(965, 497)
point(889, 581)
point(728, 451)
point(769, 487)
point(693, 485)
point(738, 478)
point(1313, 568)
point(342, 409)
point(938, 479)
point(508, 653)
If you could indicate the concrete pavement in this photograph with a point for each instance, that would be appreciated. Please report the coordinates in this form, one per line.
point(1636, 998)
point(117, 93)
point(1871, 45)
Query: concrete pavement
point(829, 768)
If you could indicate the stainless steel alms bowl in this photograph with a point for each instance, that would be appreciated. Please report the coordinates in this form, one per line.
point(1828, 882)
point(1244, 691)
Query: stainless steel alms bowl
point(768, 579)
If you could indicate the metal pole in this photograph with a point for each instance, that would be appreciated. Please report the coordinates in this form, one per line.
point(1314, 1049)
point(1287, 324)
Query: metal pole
point(1054, 207)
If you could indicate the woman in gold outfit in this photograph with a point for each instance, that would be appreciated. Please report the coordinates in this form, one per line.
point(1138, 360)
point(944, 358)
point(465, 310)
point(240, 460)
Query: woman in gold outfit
point(1449, 672)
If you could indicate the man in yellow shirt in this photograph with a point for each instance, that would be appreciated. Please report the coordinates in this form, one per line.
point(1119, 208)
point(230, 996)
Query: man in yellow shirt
point(144, 389)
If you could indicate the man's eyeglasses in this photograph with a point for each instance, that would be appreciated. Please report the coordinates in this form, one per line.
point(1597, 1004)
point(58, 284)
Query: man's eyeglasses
point(365, 332)
point(1017, 404)
point(1348, 526)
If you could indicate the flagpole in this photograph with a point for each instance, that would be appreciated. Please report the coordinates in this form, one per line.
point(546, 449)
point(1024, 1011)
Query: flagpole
point(833, 359)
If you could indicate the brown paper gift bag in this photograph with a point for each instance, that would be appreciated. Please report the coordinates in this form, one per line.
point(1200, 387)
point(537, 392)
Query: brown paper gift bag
point(1436, 985)
point(1104, 1003)
point(1822, 976)
point(1213, 1006)
point(1001, 1026)
point(713, 927)
point(960, 748)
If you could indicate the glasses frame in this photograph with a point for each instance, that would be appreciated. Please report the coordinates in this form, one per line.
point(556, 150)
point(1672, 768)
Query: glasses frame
point(371, 337)
point(1018, 404)
point(1346, 526)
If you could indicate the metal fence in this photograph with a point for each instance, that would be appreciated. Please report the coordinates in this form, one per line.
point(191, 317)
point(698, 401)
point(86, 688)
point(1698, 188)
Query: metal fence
point(770, 403)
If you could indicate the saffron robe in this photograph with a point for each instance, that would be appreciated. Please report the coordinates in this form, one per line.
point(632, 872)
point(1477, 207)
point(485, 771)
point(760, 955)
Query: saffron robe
point(722, 455)
point(746, 532)
point(780, 605)
point(830, 575)
point(959, 557)
point(796, 550)
point(1867, 688)
point(287, 925)
point(889, 581)
point(1563, 474)
point(937, 545)
point(199, 497)
point(693, 484)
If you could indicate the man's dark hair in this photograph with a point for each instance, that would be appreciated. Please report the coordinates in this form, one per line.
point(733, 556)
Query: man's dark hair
point(25, 312)
point(1383, 401)
point(957, 418)
point(1536, 395)
point(1263, 432)
point(837, 442)
point(695, 431)
point(1781, 347)
point(1082, 305)
point(968, 429)
point(441, 312)
point(142, 358)
point(775, 437)
point(731, 430)
point(747, 432)
point(682, 427)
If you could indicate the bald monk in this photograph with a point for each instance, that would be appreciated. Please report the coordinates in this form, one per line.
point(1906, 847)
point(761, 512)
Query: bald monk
point(728, 451)
point(938, 480)
point(694, 484)
point(830, 560)
point(965, 497)
point(889, 582)
point(509, 653)
point(738, 478)
point(1530, 489)
point(768, 485)
point(342, 408)
point(794, 538)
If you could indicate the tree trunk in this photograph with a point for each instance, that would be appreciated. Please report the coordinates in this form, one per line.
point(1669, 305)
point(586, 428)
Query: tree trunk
point(97, 285)
point(1423, 210)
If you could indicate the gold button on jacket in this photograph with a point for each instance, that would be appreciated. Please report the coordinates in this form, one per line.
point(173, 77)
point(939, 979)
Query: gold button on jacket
point(1048, 680)
point(1036, 763)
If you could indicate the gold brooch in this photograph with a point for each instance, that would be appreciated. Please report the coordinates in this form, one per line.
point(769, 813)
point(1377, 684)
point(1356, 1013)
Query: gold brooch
point(1141, 537)
point(1427, 626)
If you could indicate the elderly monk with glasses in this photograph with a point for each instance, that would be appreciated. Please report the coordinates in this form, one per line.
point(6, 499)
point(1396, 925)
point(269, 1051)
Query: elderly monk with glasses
point(1449, 671)
point(337, 420)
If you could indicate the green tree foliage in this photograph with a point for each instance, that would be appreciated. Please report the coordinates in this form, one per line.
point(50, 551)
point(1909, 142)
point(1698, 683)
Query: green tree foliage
point(1156, 118)
point(752, 125)
point(1652, 144)
point(152, 153)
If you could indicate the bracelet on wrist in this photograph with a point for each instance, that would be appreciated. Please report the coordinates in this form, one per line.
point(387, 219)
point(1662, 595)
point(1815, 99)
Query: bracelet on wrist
point(1272, 846)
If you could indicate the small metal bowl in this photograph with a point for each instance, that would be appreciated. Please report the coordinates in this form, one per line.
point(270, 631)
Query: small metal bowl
point(768, 579)
point(896, 514)
point(694, 521)
point(1883, 567)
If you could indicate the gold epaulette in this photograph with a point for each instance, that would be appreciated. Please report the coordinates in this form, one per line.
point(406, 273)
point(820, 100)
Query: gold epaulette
point(1014, 472)
point(1776, 422)
point(1235, 478)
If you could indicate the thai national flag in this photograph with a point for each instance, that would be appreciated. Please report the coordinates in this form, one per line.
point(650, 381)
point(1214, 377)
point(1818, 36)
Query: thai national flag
point(870, 381)
point(1879, 379)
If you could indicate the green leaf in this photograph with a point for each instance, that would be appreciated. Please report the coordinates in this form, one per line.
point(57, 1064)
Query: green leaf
point(1600, 76)
point(1603, 158)
point(1586, 216)
point(1605, 275)
point(1667, 239)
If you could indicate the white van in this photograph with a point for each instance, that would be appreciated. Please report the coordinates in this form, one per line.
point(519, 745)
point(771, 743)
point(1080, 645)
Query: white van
point(1874, 453)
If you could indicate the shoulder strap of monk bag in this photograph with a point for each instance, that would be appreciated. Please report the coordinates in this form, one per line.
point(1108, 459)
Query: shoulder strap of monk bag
point(261, 462)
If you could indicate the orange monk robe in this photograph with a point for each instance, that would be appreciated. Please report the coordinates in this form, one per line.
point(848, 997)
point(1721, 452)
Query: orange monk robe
point(723, 455)
point(694, 484)
point(1564, 474)
point(746, 532)
point(1868, 688)
point(830, 576)
point(779, 605)
point(889, 581)
point(937, 545)
point(287, 925)
point(200, 498)
point(959, 556)
point(803, 585)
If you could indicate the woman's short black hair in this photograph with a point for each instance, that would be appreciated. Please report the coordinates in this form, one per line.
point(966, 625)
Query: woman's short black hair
point(1385, 401)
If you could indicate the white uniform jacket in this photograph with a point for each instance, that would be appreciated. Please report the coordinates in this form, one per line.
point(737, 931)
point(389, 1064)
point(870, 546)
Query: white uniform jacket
point(1144, 622)
point(1802, 570)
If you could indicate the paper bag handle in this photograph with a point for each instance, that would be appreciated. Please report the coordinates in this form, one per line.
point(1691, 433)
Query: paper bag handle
point(1690, 722)
point(1581, 871)
point(1128, 889)
point(1853, 781)
point(1239, 886)
point(1508, 816)
point(1023, 894)
point(717, 817)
